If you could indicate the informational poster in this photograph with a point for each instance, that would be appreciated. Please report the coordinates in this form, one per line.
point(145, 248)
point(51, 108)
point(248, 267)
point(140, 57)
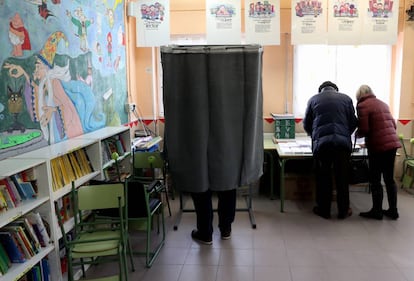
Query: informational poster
point(380, 25)
point(344, 22)
point(309, 21)
point(152, 22)
point(223, 22)
point(262, 22)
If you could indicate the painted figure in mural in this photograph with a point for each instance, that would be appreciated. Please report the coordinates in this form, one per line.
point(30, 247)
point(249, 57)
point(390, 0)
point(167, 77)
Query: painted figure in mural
point(63, 107)
point(110, 12)
point(109, 48)
point(82, 23)
point(88, 80)
point(18, 35)
point(15, 107)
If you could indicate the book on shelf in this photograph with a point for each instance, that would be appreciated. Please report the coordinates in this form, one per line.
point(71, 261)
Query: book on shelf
point(16, 200)
point(69, 169)
point(16, 179)
point(11, 246)
point(22, 240)
point(3, 203)
point(7, 196)
point(28, 189)
point(29, 231)
point(5, 262)
point(44, 266)
point(37, 222)
point(75, 165)
point(85, 162)
point(57, 181)
point(67, 207)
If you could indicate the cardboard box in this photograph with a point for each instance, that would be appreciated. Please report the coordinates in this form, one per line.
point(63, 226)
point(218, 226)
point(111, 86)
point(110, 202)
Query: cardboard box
point(299, 187)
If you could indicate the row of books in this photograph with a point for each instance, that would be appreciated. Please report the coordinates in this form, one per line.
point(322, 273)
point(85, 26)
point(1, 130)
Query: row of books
point(70, 167)
point(15, 189)
point(114, 144)
point(22, 239)
point(39, 272)
point(65, 207)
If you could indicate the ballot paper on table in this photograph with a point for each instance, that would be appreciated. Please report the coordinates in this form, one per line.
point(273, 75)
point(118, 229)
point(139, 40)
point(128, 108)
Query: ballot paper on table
point(296, 147)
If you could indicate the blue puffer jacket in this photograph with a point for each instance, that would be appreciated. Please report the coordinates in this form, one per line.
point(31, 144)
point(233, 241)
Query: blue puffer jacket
point(330, 120)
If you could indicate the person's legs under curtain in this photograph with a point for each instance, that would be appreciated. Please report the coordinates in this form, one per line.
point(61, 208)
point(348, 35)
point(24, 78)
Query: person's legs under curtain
point(204, 212)
point(226, 209)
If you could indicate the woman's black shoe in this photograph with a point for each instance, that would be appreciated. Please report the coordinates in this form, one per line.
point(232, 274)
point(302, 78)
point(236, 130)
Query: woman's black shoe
point(372, 214)
point(391, 213)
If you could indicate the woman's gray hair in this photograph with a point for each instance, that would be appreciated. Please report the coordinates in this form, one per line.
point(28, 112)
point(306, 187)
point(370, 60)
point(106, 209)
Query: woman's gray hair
point(363, 91)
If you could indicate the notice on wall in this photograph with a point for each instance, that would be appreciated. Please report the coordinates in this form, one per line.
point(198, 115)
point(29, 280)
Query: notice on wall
point(344, 22)
point(152, 22)
point(309, 21)
point(262, 22)
point(380, 24)
point(223, 22)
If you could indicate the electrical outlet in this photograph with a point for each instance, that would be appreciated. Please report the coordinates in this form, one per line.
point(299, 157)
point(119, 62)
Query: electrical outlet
point(129, 107)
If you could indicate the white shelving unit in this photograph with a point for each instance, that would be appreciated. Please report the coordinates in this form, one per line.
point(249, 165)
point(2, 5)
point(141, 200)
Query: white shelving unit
point(40, 161)
point(41, 204)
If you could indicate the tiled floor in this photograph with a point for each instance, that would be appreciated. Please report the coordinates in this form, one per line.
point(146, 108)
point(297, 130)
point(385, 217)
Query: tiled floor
point(291, 246)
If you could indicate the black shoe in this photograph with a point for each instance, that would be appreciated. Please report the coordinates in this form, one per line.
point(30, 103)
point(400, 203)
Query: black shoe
point(226, 234)
point(391, 213)
point(318, 212)
point(203, 239)
point(342, 216)
point(372, 214)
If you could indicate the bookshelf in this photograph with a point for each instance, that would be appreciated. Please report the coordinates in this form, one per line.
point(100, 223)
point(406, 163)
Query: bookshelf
point(54, 167)
point(40, 204)
point(112, 139)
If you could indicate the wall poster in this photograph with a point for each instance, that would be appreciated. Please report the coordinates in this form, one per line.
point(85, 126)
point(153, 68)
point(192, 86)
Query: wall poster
point(63, 70)
point(344, 22)
point(309, 22)
point(223, 22)
point(380, 22)
point(153, 22)
point(262, 22)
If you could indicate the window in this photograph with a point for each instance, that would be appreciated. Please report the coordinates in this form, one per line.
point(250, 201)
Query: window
point(347, 66)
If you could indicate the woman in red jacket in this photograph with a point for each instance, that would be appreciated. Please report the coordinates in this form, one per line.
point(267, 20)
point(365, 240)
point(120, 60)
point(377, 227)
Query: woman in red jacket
point(378, 126)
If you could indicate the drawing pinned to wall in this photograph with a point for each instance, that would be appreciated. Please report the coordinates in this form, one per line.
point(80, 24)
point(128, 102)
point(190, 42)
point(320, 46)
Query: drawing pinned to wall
point(56, 68)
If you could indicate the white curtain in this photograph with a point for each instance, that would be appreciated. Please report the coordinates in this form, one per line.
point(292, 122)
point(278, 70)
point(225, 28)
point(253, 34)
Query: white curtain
point(347, 66)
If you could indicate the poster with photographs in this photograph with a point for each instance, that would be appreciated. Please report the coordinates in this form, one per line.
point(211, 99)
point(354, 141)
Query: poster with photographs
point(262, 22)
point(380, 22)
point(152, 22)
point(223, 22)
point(309, 22)
point(344, 22)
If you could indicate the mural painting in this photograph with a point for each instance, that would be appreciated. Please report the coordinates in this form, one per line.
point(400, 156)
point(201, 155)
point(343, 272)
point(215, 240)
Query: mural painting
point(63, 70)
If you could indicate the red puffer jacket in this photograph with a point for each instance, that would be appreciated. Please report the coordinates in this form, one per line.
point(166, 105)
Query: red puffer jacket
point(376, 124)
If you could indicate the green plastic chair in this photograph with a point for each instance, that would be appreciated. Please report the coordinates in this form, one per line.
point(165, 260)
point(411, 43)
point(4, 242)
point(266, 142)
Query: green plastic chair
point(150, 166)
point(407, 178)
point(95, 241)
point(145, 202)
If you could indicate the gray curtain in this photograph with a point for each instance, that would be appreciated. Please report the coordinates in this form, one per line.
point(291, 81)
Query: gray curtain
point(213, 108)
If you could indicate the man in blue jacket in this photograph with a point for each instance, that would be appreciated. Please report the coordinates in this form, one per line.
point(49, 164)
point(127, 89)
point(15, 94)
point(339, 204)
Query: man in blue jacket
point(330, 120)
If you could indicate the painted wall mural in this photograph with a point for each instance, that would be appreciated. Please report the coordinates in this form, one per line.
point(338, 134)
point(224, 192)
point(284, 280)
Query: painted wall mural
point(63, 70)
